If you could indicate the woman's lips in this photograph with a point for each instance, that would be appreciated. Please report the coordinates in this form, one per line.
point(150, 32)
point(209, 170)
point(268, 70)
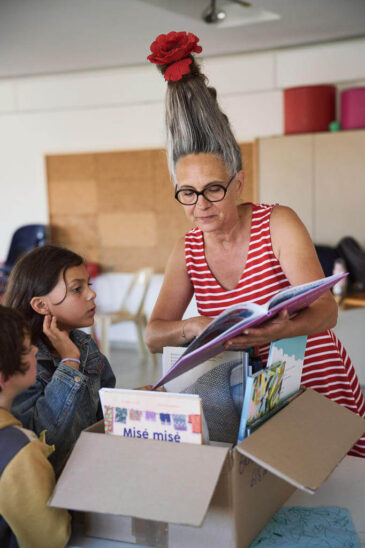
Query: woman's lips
point(206, 218)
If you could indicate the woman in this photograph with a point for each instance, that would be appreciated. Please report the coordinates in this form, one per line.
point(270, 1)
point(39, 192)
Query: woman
point(236, 253)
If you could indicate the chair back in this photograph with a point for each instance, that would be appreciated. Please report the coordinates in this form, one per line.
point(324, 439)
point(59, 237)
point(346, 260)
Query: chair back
point(136, 293)
point(25, 239)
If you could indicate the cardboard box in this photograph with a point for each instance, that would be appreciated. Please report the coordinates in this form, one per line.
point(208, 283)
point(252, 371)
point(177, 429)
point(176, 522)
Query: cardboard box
point(176, 495)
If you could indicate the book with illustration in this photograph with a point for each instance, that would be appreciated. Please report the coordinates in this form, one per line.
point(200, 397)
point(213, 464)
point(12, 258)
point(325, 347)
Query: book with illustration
point(232, 321)
point(267, 389)
point(161, 416)
point(289, 352)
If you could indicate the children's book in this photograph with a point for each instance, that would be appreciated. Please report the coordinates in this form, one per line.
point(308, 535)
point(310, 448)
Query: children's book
point(262, 394)
point(161, 416)
point(254, 425)
point(235, 319)
point(289, 352)
point(267, 389)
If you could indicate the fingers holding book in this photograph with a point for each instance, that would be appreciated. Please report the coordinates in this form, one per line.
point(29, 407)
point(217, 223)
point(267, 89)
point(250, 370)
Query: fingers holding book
point(274, 329)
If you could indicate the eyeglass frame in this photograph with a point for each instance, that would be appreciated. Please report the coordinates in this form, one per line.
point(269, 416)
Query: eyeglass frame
point(201, 192)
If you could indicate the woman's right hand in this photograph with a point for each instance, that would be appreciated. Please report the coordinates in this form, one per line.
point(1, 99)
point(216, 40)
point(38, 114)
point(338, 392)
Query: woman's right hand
point(60, 340)
point(194, 326)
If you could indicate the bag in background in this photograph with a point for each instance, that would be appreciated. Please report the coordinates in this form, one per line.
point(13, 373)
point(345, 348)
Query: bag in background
point(354, 257)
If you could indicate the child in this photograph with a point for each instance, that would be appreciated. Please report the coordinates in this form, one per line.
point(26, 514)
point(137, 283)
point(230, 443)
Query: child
point(26, 477)
point(50, 286)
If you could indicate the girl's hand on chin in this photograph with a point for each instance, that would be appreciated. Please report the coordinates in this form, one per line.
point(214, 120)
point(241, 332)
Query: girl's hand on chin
point(60, 340)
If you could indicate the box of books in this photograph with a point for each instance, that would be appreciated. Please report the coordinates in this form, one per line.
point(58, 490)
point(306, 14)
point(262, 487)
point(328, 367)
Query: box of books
point(171, 493)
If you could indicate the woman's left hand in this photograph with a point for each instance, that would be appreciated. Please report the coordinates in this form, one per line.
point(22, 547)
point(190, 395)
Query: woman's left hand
point(276, 328)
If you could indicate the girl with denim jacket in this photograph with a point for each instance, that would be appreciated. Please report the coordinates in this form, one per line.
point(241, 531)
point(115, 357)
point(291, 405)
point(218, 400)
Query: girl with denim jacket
point(51, 287)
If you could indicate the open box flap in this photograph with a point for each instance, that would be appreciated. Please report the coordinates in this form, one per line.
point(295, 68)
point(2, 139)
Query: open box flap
point(305, 441)
point(169, 482)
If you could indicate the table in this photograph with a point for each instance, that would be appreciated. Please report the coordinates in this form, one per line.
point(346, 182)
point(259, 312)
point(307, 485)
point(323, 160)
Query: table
point(355, 299)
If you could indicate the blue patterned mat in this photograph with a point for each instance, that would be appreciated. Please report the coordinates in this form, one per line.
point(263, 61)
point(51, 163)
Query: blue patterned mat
point(300, 527)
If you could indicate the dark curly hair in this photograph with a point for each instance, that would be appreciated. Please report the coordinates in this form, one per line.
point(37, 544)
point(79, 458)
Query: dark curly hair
point(13, 330)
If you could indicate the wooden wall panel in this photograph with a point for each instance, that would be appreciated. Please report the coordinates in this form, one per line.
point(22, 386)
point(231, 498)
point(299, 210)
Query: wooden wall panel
point(286, 174)
point(118, 208)
point(339, 175)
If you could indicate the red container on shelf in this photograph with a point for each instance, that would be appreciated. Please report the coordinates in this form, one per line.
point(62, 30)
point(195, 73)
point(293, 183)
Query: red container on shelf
point(309, 109)
point(93, 269)
point(353, 108)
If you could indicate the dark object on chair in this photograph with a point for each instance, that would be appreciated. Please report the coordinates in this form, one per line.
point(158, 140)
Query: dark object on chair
point(327, 256)
point(24, 239)
point(354, 257)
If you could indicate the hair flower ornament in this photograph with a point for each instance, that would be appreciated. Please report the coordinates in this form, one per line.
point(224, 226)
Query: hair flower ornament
point(173, 49)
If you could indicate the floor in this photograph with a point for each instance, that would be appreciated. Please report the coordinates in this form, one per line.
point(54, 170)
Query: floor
point(131, 370)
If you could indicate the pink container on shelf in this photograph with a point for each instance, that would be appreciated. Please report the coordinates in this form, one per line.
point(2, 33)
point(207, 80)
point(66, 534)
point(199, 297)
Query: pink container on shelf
point(353, 108)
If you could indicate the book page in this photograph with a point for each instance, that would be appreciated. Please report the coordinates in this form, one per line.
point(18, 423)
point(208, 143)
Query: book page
point(225, 322)
point(297, 291)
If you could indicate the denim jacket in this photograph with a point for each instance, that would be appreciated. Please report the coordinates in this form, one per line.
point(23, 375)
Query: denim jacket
point(63, 401)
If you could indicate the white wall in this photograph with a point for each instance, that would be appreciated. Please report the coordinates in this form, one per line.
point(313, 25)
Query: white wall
point(123, 109)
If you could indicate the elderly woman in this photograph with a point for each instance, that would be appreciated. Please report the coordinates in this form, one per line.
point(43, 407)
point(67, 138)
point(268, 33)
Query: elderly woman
point(237, 252)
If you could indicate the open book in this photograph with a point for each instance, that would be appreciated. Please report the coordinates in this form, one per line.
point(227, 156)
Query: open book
point(235, 319)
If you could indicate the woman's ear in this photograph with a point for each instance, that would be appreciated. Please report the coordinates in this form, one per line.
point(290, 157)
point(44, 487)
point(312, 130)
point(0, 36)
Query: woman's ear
point(39, 305)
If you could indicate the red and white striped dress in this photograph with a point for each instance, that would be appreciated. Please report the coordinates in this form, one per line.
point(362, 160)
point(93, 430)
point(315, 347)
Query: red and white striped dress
point(327, 367)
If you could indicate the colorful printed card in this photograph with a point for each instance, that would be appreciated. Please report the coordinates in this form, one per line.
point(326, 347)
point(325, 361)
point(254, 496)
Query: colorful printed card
point(162, 416)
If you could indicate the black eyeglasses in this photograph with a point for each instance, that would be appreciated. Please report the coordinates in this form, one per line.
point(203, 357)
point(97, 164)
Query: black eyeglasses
point(212, 193)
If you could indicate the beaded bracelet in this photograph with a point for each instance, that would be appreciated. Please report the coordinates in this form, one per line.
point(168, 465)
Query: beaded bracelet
point(70, 360)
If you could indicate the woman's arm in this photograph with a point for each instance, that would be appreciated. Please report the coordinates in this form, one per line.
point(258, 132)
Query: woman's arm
point(165, 327)
point(295, 251)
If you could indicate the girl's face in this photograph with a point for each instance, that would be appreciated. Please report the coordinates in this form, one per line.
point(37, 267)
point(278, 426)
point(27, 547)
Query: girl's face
point(197, 172)
point(76, 306)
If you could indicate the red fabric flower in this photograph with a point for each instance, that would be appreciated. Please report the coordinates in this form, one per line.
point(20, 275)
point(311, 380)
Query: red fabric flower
point(171, 49)
point(176, 71)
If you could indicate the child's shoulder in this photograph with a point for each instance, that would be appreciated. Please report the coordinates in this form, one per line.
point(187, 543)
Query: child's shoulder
point(13, 439)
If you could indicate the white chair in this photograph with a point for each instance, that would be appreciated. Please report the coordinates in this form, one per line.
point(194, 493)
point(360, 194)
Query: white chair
point(136, 291)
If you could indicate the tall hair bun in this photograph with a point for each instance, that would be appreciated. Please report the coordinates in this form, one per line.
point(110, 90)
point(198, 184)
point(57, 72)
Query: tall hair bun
point(172, 52)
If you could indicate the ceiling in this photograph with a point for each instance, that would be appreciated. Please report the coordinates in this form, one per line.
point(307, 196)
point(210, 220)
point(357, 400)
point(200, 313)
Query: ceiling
point(52, 36)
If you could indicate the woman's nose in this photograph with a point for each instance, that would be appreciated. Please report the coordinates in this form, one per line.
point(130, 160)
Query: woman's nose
point(202, 201)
